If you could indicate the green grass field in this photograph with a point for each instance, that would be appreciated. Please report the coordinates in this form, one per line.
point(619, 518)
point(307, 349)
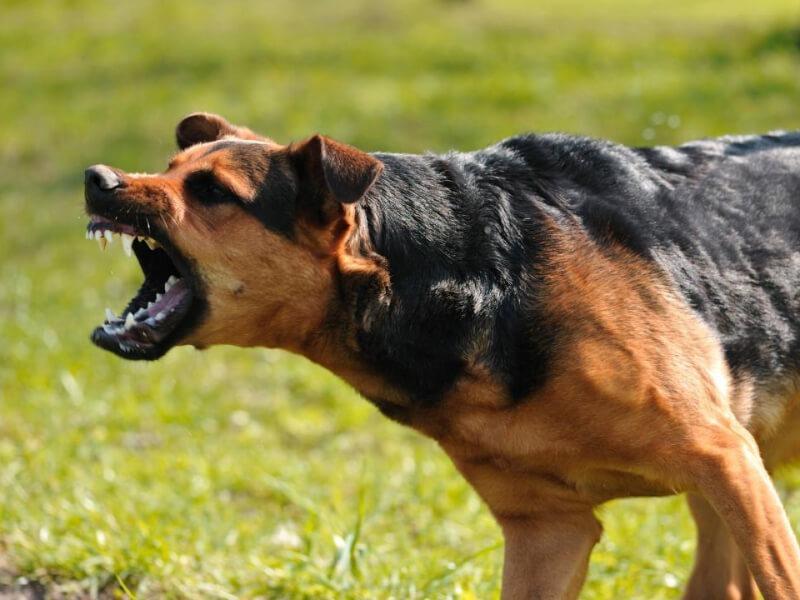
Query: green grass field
point(246, 473)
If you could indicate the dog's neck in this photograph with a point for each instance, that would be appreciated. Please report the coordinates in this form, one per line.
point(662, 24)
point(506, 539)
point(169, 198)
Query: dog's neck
point(363, 294)
point(420, 282)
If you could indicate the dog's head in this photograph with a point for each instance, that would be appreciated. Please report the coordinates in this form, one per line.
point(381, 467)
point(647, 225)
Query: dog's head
point(239, 239)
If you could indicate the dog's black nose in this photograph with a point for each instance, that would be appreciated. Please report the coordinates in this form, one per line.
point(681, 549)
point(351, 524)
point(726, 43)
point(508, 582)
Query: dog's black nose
point(102, 177)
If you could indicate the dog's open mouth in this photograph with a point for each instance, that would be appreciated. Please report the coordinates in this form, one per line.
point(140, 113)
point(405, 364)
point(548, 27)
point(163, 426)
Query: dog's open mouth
point(150, 323)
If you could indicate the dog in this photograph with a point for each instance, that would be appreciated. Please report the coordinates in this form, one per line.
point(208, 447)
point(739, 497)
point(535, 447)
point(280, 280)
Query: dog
point(572, 320)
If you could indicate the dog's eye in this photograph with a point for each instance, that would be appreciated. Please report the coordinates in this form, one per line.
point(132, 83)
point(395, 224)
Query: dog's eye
point(206, 188)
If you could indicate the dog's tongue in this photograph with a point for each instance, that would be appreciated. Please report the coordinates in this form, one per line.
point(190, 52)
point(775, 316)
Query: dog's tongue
point(175, 291)
point(148, 323)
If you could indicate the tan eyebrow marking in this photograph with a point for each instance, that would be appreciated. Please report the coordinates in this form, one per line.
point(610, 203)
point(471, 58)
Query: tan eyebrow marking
point(240, 186)
point(185, 156)
point(230, 170)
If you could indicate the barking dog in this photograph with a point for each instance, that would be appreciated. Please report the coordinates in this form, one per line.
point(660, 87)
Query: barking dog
point(571, 320)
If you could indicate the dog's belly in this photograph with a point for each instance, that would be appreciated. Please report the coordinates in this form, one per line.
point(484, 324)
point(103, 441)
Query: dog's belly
point(514, 487)
point(606, 484)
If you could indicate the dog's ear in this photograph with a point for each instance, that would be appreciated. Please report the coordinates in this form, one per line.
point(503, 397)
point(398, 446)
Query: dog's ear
point(331, 170)
point(202, 127)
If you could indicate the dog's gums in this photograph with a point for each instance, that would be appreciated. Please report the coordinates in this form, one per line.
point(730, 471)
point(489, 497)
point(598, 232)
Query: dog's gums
point(162, 303)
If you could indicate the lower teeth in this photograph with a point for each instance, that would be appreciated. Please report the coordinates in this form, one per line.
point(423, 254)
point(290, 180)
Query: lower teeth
point(115, 325)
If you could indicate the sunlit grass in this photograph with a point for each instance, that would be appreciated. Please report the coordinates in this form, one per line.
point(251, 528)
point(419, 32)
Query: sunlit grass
point(244, 473)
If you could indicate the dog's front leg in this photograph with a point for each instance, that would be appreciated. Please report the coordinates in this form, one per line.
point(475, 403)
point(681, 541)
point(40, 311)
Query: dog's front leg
point(719, 568)
point(730, 474)
point(547, 554)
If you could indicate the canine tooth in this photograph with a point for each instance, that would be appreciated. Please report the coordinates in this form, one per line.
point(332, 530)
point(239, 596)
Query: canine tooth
point(109, 235)
point(129, 321)
point(160, 316)
point(127, 243)
point(110, 316)
point(159, 297)
point(140, 313)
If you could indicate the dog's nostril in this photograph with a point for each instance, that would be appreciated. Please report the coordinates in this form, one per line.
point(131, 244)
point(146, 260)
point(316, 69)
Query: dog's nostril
point(102, 177)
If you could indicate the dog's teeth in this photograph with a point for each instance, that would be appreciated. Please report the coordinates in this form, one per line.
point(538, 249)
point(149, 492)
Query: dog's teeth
point(109, 235)
point(129, 321)
point(160, 316)
point(110, 316)
point(170, 282)
point(151, 243)
point(102, 242)
point(88, 235)
point(159, 297)
point(127, 243)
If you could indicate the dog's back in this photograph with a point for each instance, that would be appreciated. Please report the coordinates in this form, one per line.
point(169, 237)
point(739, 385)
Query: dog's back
point(720, 218)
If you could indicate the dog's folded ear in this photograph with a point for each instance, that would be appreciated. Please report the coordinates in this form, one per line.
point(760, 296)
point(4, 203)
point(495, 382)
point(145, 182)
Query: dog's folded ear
point(201, 127)
point(334, 170)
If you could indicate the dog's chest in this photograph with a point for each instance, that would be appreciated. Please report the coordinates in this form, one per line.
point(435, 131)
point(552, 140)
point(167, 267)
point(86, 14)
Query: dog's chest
point(538, 455)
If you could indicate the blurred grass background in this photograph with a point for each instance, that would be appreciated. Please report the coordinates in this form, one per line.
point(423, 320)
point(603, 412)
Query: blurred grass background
point(243, 473)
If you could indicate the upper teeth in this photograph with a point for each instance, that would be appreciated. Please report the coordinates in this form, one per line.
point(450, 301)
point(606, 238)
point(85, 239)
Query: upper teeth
point(105, 236)
point(127, 243)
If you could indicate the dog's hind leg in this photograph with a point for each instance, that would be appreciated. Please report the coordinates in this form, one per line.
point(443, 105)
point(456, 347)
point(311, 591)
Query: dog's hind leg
point(720, 571)
point(728, 471)
point(547, 555)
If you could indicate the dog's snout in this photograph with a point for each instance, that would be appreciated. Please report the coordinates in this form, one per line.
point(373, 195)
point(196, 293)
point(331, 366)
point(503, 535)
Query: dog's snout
point(102, 177)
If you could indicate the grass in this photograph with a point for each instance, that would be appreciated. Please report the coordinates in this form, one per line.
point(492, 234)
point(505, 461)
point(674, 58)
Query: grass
point(245, 473)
